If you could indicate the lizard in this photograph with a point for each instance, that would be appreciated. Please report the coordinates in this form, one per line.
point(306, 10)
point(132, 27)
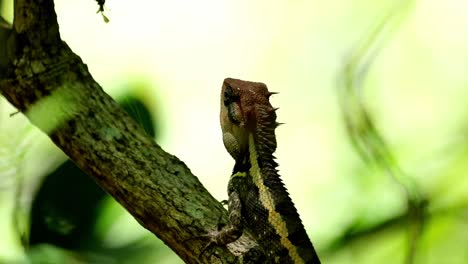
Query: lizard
point(258, 200)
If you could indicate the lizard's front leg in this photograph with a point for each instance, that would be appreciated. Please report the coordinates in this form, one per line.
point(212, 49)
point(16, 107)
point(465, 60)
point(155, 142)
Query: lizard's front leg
point(233, 230)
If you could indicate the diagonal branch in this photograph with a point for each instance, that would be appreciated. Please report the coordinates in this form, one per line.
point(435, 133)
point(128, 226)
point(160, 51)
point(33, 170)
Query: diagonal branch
point(50, 84)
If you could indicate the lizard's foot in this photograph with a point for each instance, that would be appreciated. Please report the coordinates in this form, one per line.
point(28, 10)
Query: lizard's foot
point(224, 235)
point(213, 237)
point(213, 241)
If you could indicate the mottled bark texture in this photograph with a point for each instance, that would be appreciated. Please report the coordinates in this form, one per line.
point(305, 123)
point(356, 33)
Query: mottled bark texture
point(50, 84)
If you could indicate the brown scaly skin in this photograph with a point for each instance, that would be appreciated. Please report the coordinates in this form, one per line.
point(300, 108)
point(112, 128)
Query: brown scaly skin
point(258, 200)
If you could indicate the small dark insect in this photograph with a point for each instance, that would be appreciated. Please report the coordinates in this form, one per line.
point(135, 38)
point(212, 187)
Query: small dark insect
point(101, 5)
point(101, 10)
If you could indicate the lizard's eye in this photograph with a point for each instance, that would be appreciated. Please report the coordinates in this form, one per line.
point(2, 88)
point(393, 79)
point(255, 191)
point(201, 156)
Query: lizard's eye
point(229, 96)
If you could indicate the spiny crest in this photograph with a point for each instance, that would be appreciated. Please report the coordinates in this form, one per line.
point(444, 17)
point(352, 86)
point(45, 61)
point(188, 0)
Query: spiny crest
point(266, 142)
point(271, 93)
point(265, 130)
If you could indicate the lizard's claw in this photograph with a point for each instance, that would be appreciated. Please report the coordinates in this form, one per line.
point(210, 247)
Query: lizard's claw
point(206, 247)
point(224, 202)
point(211, 243)
point(212, 237)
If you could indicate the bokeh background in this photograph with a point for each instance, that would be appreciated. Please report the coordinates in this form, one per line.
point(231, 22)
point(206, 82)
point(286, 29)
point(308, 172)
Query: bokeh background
point(374, 151)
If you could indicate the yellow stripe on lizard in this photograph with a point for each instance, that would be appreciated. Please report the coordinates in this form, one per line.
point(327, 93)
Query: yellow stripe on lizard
point(267, 201)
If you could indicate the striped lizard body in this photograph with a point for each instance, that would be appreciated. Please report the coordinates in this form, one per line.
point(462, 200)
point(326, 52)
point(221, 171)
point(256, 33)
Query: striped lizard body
point(258, 199)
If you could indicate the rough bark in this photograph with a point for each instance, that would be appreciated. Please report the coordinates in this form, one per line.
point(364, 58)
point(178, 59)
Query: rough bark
point(50, 84)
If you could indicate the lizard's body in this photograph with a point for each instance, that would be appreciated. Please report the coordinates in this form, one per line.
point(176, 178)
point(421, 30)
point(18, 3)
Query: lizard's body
point(258, 199)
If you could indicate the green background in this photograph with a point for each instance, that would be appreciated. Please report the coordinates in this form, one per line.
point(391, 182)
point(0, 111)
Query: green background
point(173, 55)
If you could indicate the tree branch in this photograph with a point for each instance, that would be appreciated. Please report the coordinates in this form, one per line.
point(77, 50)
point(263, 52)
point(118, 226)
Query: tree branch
point(50, 84)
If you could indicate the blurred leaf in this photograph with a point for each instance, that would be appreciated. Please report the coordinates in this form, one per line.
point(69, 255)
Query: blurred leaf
point(361, 128)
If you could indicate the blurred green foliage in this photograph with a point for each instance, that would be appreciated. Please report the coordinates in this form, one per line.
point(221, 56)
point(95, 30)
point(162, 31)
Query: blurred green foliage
point(67, 207)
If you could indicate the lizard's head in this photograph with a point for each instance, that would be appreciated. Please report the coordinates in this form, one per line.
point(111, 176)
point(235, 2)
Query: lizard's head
point(238, 113)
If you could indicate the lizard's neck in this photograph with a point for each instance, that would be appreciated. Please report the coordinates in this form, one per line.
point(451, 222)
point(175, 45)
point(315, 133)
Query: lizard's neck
point(261, 144)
